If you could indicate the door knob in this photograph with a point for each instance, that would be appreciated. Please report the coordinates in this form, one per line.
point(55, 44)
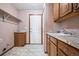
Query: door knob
point(30, 29)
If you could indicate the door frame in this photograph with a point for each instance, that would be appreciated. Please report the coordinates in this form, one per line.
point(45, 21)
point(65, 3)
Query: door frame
point(41, 27)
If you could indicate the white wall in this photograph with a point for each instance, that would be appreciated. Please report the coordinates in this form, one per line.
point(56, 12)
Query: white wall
point(7, 34)
point(7, 29)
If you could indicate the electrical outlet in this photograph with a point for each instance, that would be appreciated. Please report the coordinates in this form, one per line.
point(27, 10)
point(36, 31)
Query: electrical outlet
point(4, 49)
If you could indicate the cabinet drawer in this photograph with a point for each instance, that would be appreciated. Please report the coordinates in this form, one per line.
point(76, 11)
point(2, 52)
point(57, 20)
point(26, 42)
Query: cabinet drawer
point(53, 40)
point(73, 51)
point(63, 47)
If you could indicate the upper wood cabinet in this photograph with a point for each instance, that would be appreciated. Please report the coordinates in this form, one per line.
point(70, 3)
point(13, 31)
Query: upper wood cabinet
point(60, 10)
point(63, 11)
point(65, 8)
point(76, 7)
point(56, 11)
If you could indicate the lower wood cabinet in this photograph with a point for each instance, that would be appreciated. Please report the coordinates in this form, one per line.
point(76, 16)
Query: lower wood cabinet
point(60, 53)
point(19, 38)
point(51, 46)
point(56, 47)
point(47, 44)
point(67, 49)
point(63, 47)
point(52, 49)
point(73, 51)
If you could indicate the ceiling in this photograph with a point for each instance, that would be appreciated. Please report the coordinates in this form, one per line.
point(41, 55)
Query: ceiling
point(28, 6)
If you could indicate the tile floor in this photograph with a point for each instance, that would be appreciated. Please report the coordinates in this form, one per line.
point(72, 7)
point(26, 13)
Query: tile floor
point(27, 50)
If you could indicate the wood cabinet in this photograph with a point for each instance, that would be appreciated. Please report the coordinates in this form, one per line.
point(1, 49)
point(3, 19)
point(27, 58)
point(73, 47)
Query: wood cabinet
point(52, 49)
point(67, 49)
point(76, 7)
point(72, 51)
point(47, 43)
point(65, 8)
point(60, 53)
point(61, 10)
point(19, 38)
point(63, 47)
point(57, 47)
point(64, 11)
point(51, 46)
point(56, 11)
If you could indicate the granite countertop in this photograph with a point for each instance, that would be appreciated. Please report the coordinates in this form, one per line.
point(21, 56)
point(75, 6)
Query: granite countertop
point(69, 39)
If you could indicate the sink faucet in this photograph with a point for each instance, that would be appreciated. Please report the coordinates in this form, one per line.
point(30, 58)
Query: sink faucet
point(66, 32)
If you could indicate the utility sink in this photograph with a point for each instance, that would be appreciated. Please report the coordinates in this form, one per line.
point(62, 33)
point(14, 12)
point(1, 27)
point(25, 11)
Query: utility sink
point(61, 34)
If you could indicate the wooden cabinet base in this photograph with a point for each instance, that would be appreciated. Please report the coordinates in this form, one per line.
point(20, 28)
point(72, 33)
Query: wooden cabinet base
point(56, 47)
point(52, 49)
point(19, 39)
point(60, 53)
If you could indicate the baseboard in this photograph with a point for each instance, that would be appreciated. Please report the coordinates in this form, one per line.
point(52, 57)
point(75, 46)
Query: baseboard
point(6, 51)
point(27, 43)
point(34, 43)
point(45, 51)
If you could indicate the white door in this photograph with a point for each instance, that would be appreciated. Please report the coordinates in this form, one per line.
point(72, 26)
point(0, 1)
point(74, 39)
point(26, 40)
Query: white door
point(35, 28)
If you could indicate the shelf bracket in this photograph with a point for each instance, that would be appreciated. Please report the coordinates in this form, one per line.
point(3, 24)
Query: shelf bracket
point(5, 17)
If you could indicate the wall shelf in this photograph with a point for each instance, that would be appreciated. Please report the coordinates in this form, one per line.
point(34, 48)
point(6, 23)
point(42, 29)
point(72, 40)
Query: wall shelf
point(6, 15)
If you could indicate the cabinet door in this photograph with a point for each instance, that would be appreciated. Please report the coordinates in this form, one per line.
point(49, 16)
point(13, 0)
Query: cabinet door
point(64, 47)
point(56, 11)
point(60, 53)
point(65, 8)
point(53, 40)
point(47, 43)
point(76, 7)
point(20, 39)
point(73, 51)
point(52, 49)
point(67, 49)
